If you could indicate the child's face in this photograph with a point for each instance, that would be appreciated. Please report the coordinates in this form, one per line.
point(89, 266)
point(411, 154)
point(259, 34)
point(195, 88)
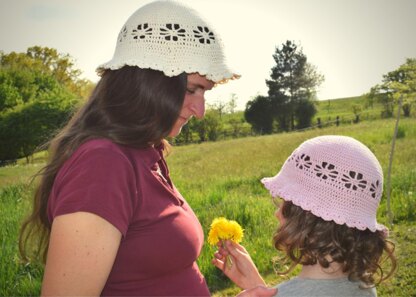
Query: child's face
point(278, 202)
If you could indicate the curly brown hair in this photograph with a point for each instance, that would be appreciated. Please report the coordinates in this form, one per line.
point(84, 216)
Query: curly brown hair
point(307, 239)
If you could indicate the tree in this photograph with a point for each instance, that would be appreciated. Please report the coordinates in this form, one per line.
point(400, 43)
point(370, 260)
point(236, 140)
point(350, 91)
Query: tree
point(200, 127)
point(259, 114)
point(380, 94)
point(401, 81)
point(18, 86)
point(295, 79)
point(185, 136)
point(305, 111)
point(213, 124)
point(232, 104)
point(220, 107)
point(236, 126)
point(10, 95)
point(48, 61)
point(281, 110)
point(38, 91)
point(26, 127)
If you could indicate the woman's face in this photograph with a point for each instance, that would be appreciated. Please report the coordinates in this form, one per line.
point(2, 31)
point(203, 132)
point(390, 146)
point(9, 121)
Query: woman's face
point(194, 103)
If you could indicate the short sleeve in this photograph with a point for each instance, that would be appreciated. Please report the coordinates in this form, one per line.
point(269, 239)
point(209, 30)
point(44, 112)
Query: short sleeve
point(99, 181)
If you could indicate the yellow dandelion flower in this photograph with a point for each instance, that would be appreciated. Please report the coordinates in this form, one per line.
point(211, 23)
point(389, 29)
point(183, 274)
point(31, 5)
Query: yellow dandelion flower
point(223, 229)
point(236, 231)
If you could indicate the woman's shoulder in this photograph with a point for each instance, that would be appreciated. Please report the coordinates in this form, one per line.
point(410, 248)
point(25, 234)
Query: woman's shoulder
point(99, 144)
point(95, 153)
point(106, 147)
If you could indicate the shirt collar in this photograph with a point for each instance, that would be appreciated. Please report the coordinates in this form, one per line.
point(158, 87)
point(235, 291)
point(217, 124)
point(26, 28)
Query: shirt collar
point(153, 154)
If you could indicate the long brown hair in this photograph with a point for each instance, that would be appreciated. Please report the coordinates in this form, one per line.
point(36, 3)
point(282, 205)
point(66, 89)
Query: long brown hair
point(307, 239)
point(130, 106)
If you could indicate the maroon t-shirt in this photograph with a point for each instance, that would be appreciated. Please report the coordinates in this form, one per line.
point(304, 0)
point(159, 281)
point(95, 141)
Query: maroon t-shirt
point(131, 189)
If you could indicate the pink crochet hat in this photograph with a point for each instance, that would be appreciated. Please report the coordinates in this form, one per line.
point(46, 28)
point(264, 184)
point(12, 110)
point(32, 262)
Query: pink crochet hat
point(337, 178)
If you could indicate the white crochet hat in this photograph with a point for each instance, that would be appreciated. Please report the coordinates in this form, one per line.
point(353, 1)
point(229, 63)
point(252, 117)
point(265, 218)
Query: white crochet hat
point(173, 38)
point(337, 178)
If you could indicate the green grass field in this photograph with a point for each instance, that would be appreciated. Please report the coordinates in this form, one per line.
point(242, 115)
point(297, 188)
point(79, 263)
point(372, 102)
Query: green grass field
point(328, 110)
point(222, 179)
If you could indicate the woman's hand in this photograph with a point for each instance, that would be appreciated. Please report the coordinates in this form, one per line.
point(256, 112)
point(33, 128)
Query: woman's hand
point(243, 272)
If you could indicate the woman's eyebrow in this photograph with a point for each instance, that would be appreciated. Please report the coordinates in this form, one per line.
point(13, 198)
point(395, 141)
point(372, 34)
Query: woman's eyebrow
point(197, 85)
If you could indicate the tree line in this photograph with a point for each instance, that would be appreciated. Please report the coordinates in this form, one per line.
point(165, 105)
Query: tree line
point(41, 88)
point(288, 106)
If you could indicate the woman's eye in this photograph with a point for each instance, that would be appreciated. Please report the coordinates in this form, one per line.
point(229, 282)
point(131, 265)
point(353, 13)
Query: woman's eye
point(190, 91)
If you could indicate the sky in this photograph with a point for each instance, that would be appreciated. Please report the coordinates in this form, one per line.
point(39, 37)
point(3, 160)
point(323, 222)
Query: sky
point(351, 42)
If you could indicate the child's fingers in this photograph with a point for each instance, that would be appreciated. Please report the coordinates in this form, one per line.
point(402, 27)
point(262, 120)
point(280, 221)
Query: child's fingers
point(223, 251)
point(237, 246)
point(236, 250)
point(219, 256)
point(229, 243)
point(218, 263)
point(220, 244)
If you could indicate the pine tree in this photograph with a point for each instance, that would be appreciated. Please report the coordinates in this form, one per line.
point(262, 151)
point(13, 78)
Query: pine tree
point(293, 82)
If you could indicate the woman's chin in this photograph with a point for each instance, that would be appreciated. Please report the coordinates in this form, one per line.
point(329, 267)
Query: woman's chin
point(175, 132)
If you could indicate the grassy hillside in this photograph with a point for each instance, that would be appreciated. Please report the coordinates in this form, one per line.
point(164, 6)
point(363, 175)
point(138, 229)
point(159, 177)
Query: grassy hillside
point(328, 110)
point(225, 181)
point(222, 179)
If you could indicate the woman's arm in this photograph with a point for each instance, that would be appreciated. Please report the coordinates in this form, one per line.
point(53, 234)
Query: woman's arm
point(82, 250)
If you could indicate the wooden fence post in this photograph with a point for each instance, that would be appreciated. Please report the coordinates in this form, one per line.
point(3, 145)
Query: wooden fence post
point(388, 185)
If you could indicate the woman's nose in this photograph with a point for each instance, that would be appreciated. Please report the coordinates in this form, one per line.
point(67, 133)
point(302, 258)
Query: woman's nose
point(198, 108)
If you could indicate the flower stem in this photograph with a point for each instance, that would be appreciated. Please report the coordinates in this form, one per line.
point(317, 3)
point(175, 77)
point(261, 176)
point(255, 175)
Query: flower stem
point(228, 260)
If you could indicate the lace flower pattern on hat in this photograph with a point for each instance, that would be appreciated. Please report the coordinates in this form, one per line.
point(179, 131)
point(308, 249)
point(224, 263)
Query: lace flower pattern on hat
point(122, 35)
point(142, 31)
point(375, 189)
point(168, 32)
point(326, 170)
point(303, 161)
point(204, 35)
point(349, 180)
point(172, 32)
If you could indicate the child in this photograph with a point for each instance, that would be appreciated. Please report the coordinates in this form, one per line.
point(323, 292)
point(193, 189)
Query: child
point(331, 187)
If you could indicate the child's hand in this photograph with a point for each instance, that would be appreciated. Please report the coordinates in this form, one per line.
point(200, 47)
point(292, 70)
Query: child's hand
point(243, 272)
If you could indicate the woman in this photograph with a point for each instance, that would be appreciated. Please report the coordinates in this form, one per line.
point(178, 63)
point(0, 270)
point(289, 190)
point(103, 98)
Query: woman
point(110, 219)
